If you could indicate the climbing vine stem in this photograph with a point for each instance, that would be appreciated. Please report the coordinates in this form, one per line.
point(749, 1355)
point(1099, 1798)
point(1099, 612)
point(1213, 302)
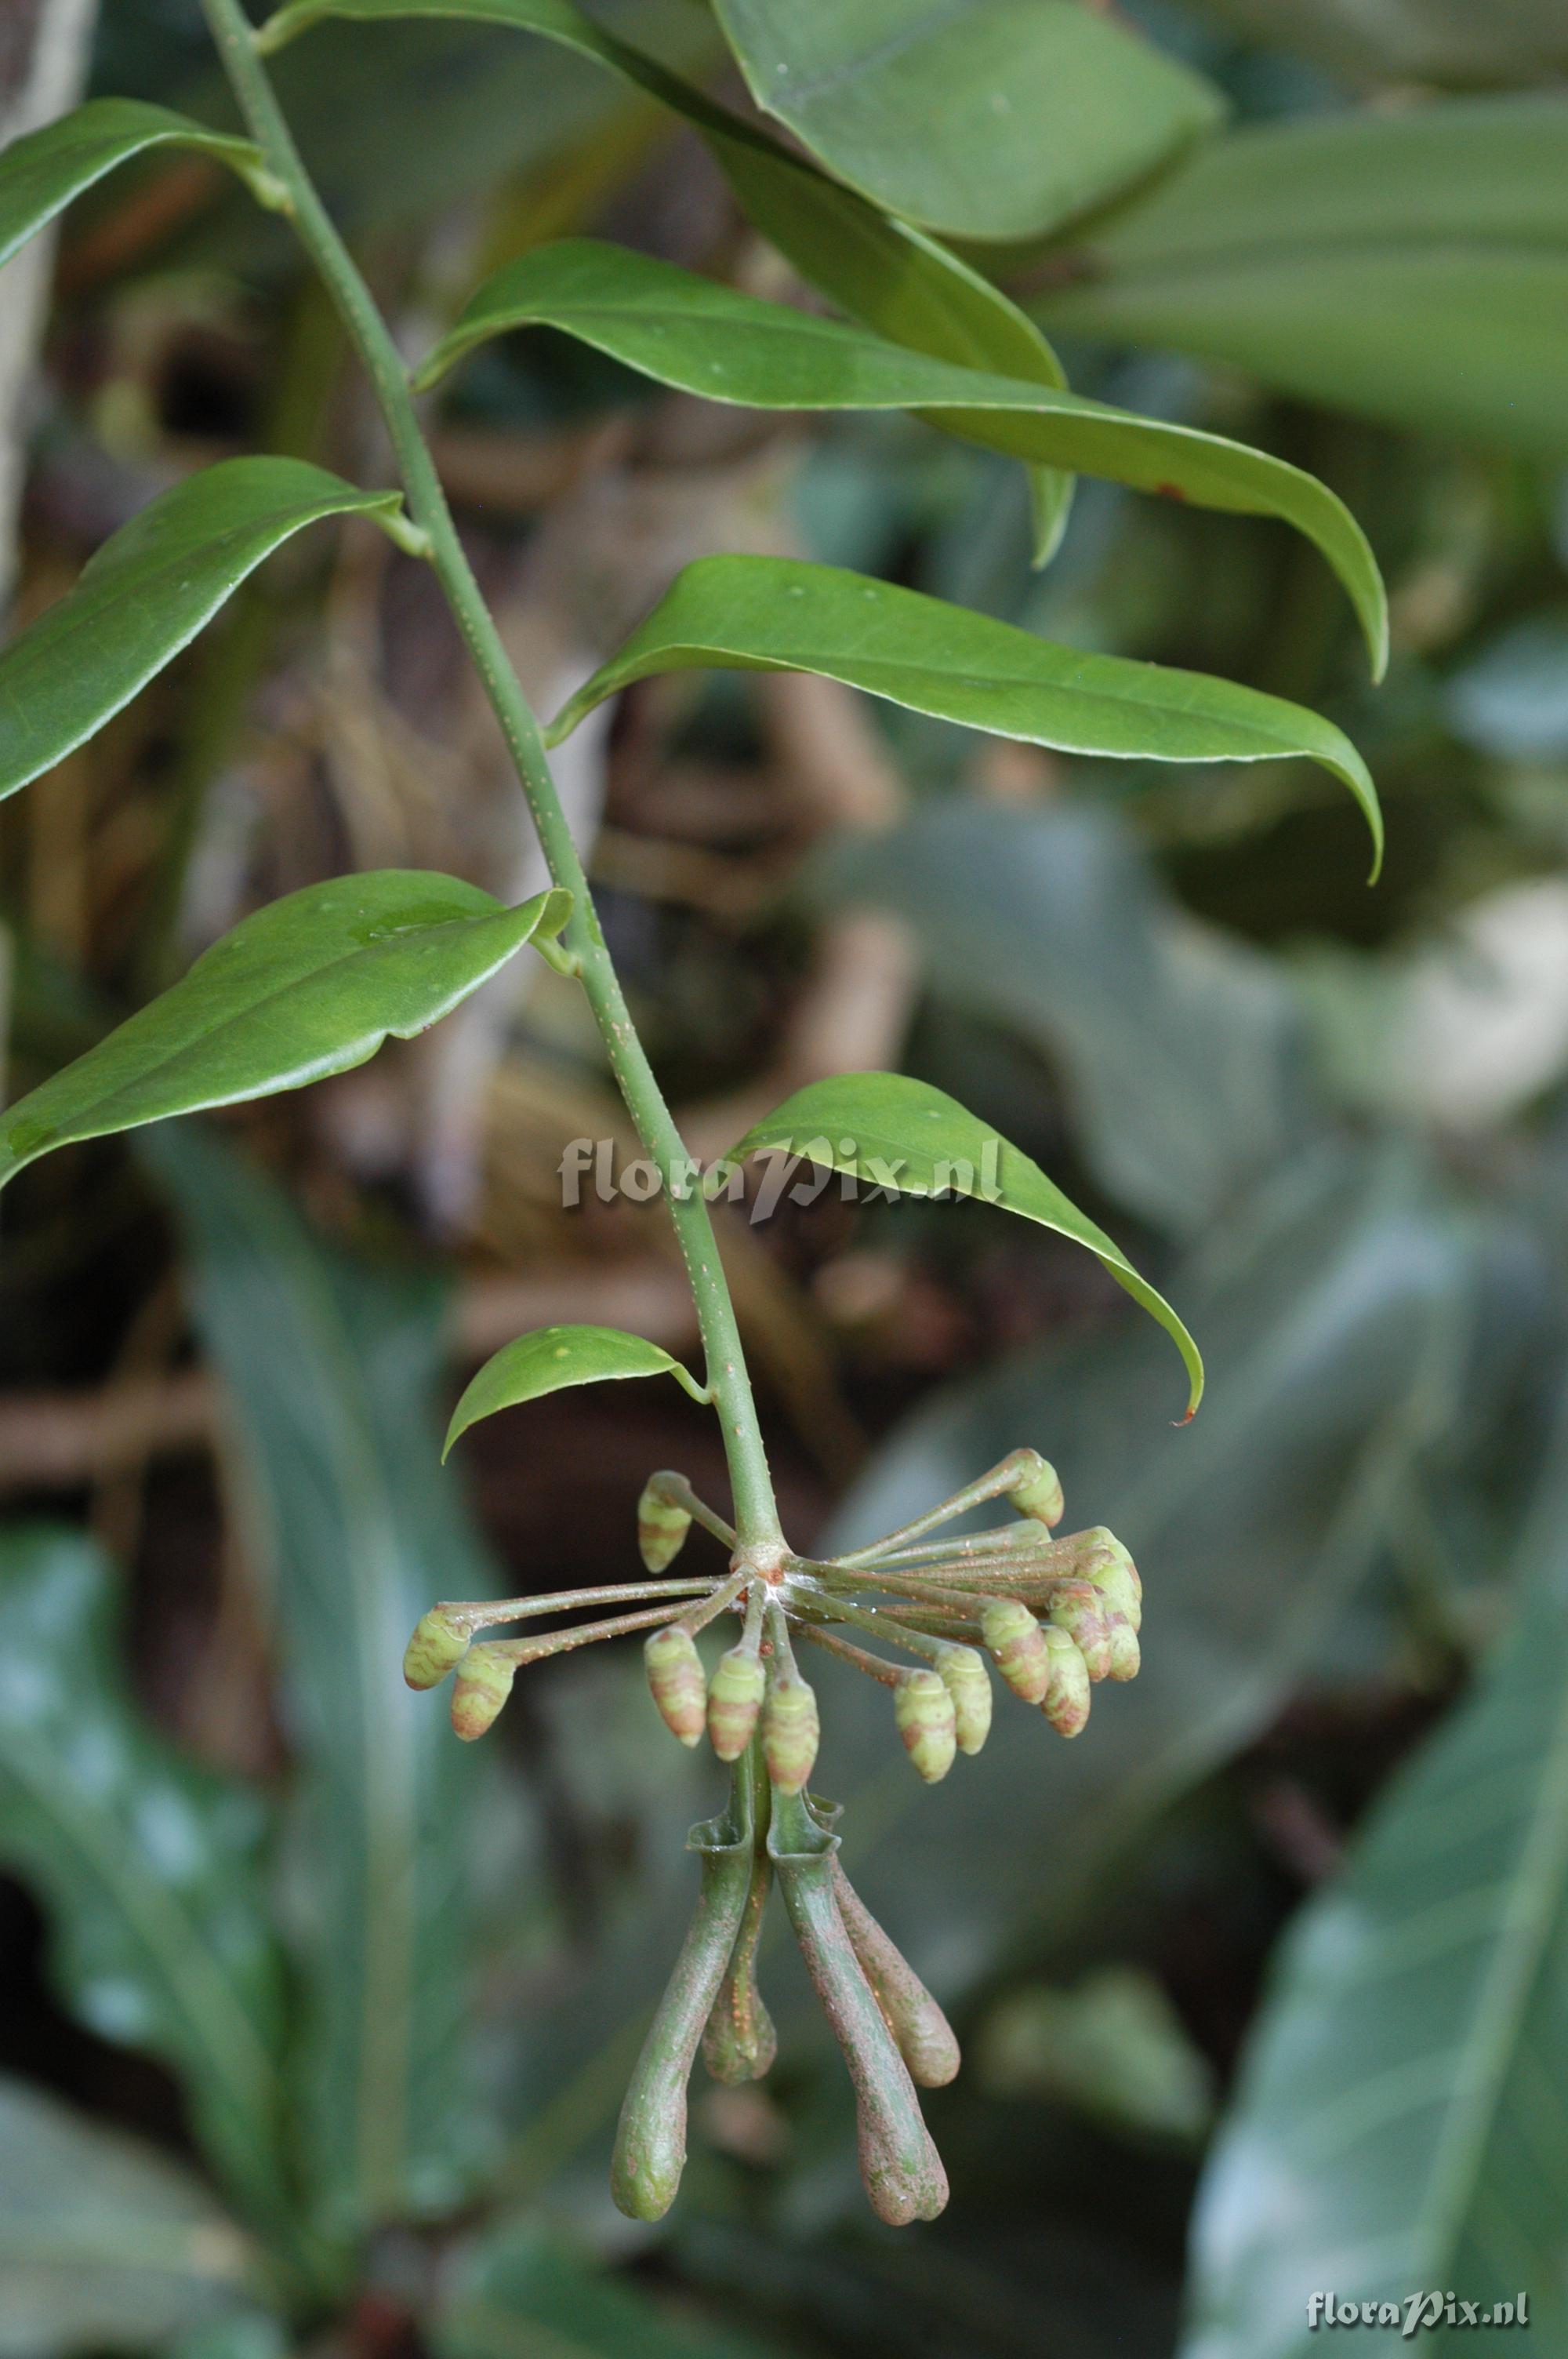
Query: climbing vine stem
point(755, 1512)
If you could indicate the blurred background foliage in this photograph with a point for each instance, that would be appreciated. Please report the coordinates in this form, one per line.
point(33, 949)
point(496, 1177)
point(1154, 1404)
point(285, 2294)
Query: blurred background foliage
point(315, 2024)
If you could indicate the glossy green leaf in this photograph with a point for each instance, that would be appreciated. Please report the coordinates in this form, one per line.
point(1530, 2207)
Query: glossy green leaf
point(765, 613)
point(332, 1370)
point(552, 1357)
point(1400, 2123)
point(149, 1868)
point(881, 271)
point(894, 1132)
point(41, 172)
point(707, 339)
point(990, 119)
point(309, 985)
point(105, 2242)
point(1412, 265)
point(1182, 1051)
point(521, 2293)
point(145, 595)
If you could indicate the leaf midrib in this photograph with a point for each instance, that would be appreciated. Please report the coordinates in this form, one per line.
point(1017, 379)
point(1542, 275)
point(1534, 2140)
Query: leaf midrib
point(201, 1041)
point(1503, 1999)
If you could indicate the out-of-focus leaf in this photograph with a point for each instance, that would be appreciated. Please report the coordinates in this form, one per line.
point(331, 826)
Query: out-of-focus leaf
point(105, 2244)
point(309, 985)
point(1412, 266)
point(884, 272)
point(524, 2294)
point(1183, 1053)
point(145, 595)
point(41, 173)
point(1401, 2123)
point(707, 339)
point(1413, 40)
point(150, 1868)
point(776, 613)
point(1113, 2048)
point(990, 119)
point(553, 1356)
point(1336, 1313)
point(894, 1132)
point(332, 1370)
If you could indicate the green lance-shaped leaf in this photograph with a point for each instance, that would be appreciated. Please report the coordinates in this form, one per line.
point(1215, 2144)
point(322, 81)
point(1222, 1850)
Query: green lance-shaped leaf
point(704, 338)
point(149, 1869)
point(902, 1134)
point(550, 1357)
point(991, 118)
point(1410, 264)
point(774, 613)
point(333, 1369)
point(145, 595)
point(884, 272)
point(107, 2244)
point(650, 2142)
point(1400, 2121)
point(902, 2169)
point(41, 173)
point(309, 985)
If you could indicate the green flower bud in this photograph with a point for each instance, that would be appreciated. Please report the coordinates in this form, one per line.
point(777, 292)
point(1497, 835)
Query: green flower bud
point(438, 1643)
point(791, 1733)
point(1039, 1492)
point(661, 1526)
point(1017, 1648)
point(676, 1677)
point(734, 1699)
point(1077, 1608)
point(1115, 1575)
point(1066, 1700)
point(967, 1681)
point(482, 1687)
point(927, 1722)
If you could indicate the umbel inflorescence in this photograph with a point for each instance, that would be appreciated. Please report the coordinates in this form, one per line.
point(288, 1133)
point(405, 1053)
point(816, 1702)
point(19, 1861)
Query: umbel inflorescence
point(1054, 1615)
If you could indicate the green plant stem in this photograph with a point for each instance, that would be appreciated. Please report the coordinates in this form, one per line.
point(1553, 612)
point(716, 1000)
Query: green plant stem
point(756, 1513)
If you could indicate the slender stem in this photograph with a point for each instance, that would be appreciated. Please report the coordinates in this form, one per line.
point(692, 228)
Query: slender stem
point(935, 1593)
point(582, 1634)
point(888, 1674)
point(712, 1607)
point(566, 1600)
point(755, 1510)
point(991, 1486)
point(861, 1617)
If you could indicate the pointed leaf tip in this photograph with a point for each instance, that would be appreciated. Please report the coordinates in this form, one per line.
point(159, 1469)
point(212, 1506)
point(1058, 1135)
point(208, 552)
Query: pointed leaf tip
point(551, 1357)
point(898, 1133)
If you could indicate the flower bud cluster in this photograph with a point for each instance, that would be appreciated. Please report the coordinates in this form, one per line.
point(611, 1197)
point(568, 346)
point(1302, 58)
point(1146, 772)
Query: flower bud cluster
point(1056, 1615)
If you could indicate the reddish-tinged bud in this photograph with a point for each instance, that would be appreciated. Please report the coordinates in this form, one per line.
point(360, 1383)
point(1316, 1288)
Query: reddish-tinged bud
point(1039, 1494)
point(791, 1733)
point(967, 1681)
point(1077, 1607)
point(734, 1699)
point(438, 1643)
point(1017, 1648)
point(927, 1722)
point(483, 1686)
point(1066, 1700)
point(676, 1678)
point(661, 1526)
point(1115, 1575)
